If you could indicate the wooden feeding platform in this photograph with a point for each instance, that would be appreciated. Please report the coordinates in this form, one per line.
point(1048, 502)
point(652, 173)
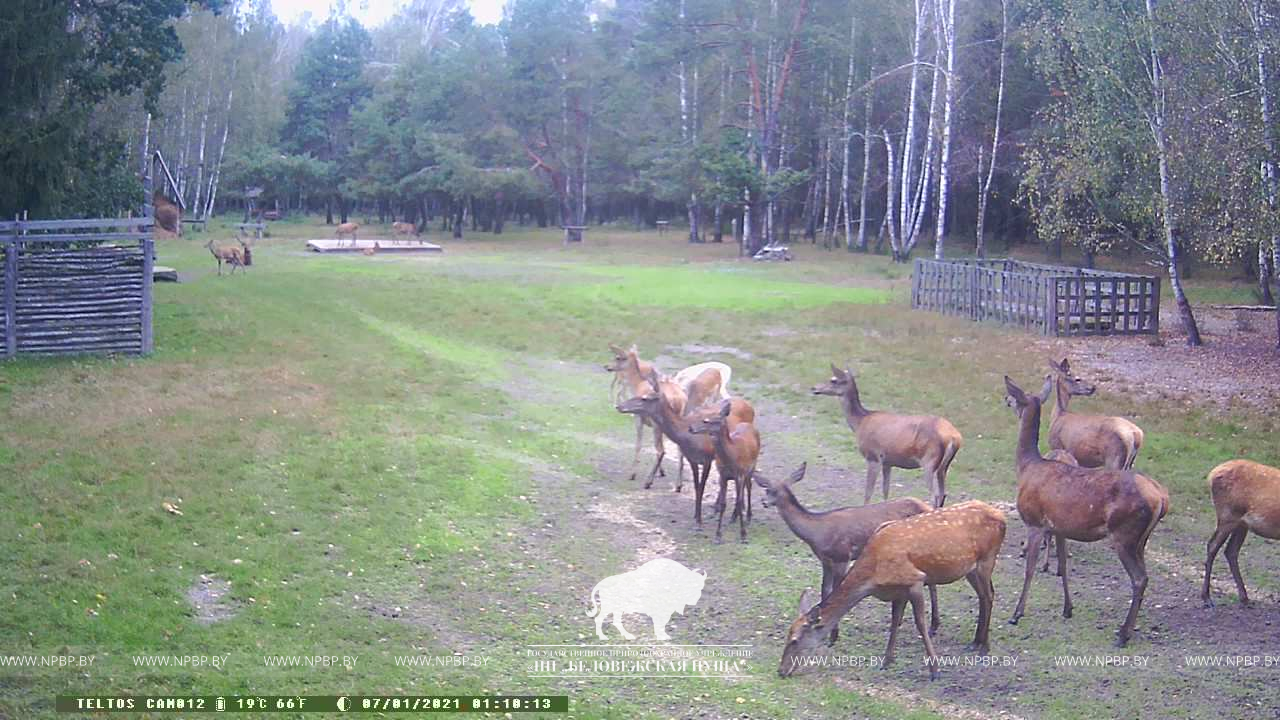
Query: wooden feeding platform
point(376, 244)
point(1049, 299)
point(163, 273)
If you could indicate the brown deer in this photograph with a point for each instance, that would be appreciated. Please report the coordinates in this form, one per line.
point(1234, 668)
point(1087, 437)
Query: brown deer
point(404, 228)
point(1082, 504)
point(347, 228)
point(900, 559)
point(630, 378)
point(1246, 496)
point(1094, 440)
point(698, 450)
point(737, 451)
point(888, 440)
point(837, 537)
point(246, 247)
point(232, 256)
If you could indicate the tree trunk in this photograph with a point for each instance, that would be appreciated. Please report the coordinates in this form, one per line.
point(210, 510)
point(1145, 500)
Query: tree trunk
point(328, 212)
point(947, 24)
point(718, 233)
point(1271, 184)
point(866, 167)
point(909, 137)
point(890, 200)
point(984, 192)
point(459, 207)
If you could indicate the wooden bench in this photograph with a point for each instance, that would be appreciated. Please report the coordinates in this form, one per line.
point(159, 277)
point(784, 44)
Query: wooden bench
point(258, 229)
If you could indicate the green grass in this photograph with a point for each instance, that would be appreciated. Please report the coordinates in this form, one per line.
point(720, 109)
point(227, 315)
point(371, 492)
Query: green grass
point(351, 439)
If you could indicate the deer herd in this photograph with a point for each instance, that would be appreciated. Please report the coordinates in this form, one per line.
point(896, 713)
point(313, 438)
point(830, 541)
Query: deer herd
point(1085, 490)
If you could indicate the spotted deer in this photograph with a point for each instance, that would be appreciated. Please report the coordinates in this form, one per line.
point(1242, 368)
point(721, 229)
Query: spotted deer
point(889, 440)
point(902, 557)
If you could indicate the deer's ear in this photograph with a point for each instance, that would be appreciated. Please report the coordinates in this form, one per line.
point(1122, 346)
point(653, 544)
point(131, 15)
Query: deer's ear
point(835, 371)
point(761, 481)
point(653, 380)
point(1014, 391)
point(1046, 390)
point(615, 349)
point(808, 601)
point(798, 474)
point(1066, 366)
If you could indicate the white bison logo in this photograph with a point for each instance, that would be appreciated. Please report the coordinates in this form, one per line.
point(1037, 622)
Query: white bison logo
point(658, 589)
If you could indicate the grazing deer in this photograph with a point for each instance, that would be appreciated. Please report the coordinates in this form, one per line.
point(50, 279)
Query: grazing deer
point(246, 247)
point(932, 548)
point(1082, 504)
point(630, 378)
point(1246, 496)
point(737, 451)
point(347, 228)
point(698, 450)
point(232, 256)
point(1094, 440)
point(888, 440)
point(404, 228)
point(837, 537)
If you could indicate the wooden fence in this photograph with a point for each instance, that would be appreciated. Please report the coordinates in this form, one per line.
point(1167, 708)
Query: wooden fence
point(1049, 299)
point(76, 286)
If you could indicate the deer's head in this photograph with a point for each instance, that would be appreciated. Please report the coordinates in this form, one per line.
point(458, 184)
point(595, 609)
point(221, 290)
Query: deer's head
point(839, 384)
point(713, 424)
point(773, 489)
point(648, 403)
point(805, 634)
point(1018, 400)
point(1075, 384)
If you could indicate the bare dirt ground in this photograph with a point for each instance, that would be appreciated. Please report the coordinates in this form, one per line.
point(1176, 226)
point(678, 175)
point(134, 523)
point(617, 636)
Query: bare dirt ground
point(1238, 364)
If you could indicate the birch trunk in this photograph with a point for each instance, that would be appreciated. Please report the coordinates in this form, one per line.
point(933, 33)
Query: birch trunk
point(1271, 185)
point(866, 167)
point(846, 135)
point(909, 137)
point(222, 147)
point(920, 203)
point(984, 190)
point(890, 200)
point(947, 23)
point(204, 126)
point(1168, 210)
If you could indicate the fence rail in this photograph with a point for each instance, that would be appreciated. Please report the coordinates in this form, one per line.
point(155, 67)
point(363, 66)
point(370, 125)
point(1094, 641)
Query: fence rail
point(77, 286)
point(1045, 298)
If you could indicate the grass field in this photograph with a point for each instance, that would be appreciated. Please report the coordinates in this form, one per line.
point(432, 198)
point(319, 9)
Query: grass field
point(394, 456)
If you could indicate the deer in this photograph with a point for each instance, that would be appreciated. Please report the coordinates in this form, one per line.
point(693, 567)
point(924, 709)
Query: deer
point(903, 556)
point(246, 247)
point(1093, 440)
point(403, 228)
point(737, 449)
point(698, 450)
point(347, 228)
point(1246, 496)
point(838, 536)
point(232, 256)
point(888, 440)
point(630, 374)
point(1070, 502)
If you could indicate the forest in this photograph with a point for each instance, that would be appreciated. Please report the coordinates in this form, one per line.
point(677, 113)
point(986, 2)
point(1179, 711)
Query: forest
point(1131, 128)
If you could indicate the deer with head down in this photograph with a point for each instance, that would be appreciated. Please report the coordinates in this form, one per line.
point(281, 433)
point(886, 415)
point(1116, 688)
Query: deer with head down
point(1083, 504)
point(1246, 496)
point(1093, 440)
point(630, 378)
point(698, 449)
point(837, 537)
point(737, 447)
point(902, 557)
point(889, 440)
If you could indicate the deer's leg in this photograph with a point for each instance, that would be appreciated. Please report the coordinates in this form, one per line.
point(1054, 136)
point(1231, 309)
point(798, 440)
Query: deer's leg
point(982, 586)
point(679, 469)
point(1219, 537)
point(1233, 560)
point(885, 469)
point(639, 441)
point(917, 609)
point(720, 503)
point(742, 486)
point(1131, 556)
point(873, 469)
point(1034, 536)
point(661, 445)
point(751, 478)
point(699, 486)
point(657, 464)
point(1062, 570)
point(895, 619)
point(935, 618)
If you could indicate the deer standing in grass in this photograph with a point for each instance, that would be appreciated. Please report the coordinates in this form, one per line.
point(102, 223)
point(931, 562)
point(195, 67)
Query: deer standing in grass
point(837, 537)
point(698, 450)
point(1082, 504)
point(902, 557)
point(888, 440)
point(1093, 440)
point(232, 256)
point(1246, 496)
point(348, 228)
point(404, 228)
point(737, 448)
point(630, 378)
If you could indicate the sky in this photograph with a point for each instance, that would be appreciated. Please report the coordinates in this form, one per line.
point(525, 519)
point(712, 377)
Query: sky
point(374, 12)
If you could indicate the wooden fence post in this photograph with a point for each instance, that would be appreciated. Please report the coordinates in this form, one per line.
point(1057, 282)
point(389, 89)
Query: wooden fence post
point(11, 296)
point(148, 270)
